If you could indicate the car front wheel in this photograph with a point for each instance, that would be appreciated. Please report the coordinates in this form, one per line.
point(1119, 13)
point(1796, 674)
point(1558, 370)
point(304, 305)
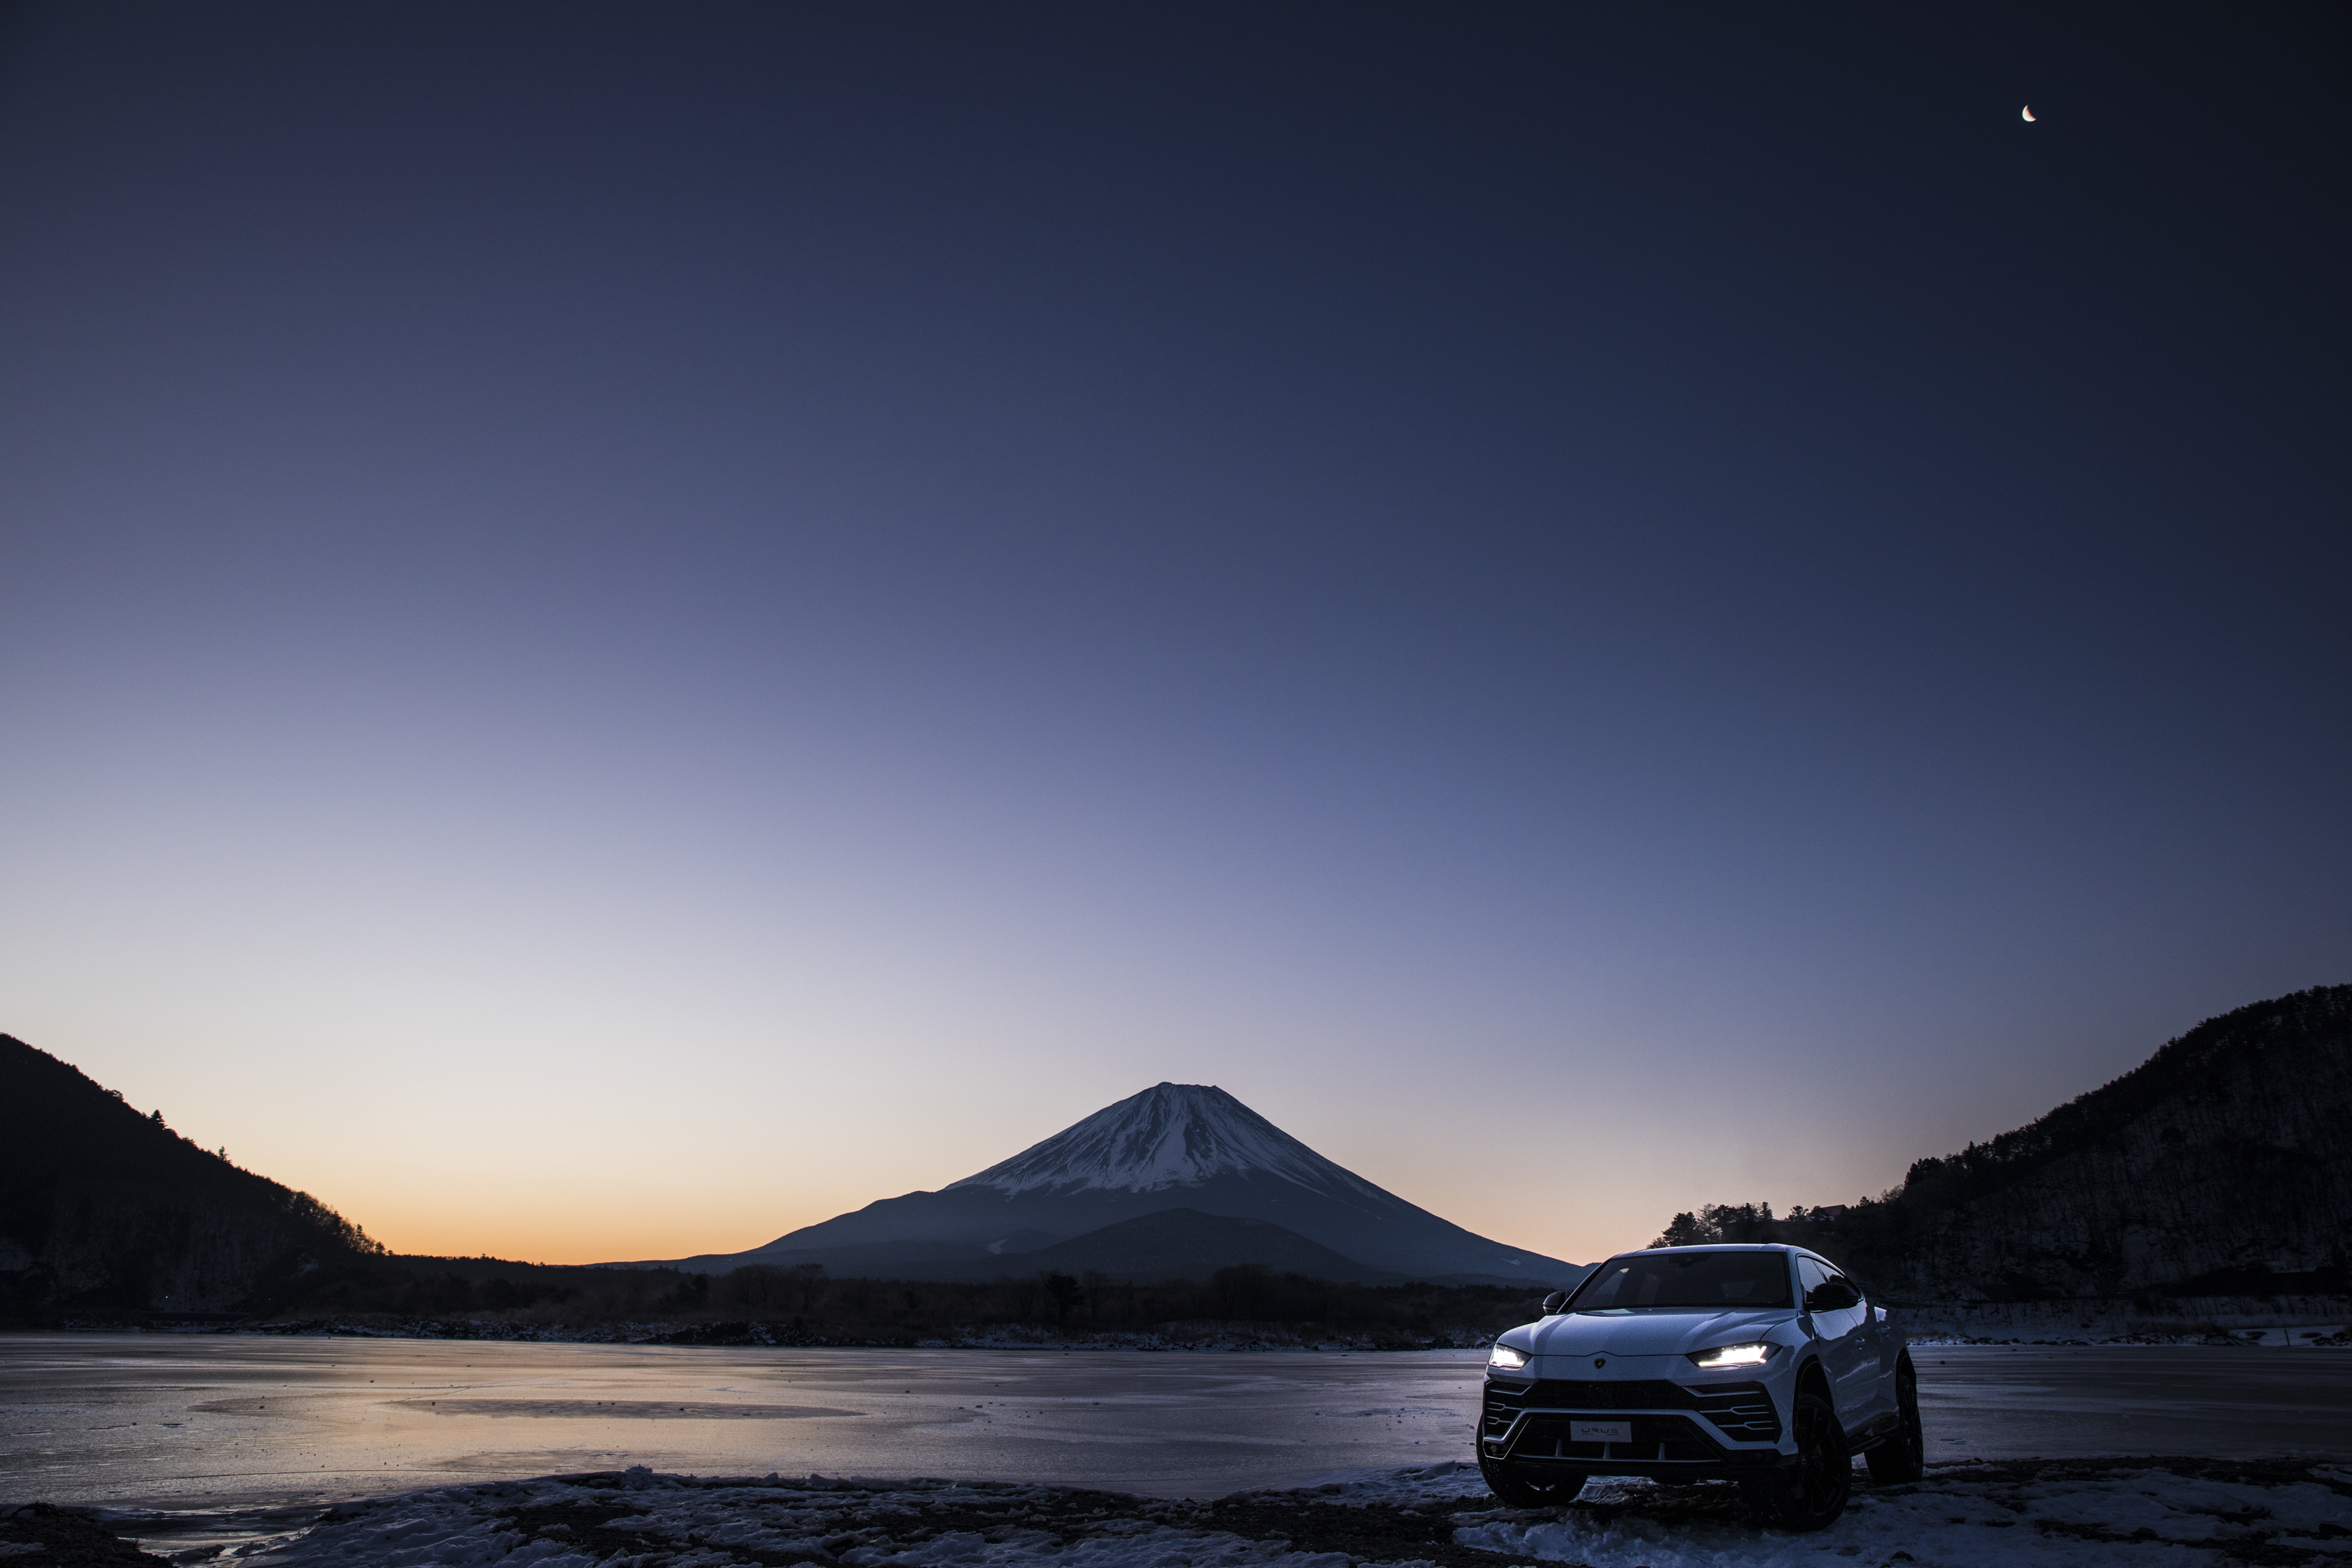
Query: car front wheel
point(1524, 1488)
point(1817, 1494)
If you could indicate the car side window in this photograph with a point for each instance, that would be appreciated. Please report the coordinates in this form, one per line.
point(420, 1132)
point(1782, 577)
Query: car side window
point(1842, 1294)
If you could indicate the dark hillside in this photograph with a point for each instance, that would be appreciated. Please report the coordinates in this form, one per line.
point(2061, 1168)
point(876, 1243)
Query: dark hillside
point(2222, 1165)
point(103, 1209)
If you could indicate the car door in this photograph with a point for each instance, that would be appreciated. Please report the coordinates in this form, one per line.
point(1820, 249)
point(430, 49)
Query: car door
point(1841, 1329)
point(1875, 1393)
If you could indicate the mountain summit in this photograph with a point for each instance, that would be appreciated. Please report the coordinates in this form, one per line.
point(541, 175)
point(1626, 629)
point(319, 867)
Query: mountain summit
point(1170, 1135)
point(1226, 1184)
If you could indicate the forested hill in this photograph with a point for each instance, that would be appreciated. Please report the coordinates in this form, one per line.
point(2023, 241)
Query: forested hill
point(2222, 1165)
point(105, 1209)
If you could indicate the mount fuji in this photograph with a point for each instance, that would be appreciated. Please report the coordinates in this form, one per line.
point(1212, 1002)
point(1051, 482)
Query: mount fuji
point(1179, 1180)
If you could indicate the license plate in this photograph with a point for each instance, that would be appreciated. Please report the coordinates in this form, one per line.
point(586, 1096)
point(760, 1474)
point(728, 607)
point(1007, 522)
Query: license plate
point(1601, 1431)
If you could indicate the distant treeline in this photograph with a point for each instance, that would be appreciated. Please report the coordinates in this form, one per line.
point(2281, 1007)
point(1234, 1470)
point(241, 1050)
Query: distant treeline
point(807, 1305)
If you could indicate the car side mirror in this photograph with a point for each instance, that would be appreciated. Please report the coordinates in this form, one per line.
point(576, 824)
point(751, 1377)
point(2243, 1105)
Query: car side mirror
point(1831, 1296)
point(1554, 1303)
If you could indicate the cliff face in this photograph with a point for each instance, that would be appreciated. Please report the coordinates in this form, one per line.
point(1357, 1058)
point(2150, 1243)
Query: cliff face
point(102, 1209)
point(2220, 1167)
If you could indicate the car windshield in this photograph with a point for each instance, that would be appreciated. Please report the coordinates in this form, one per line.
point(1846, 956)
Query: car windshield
point(1669, 1281)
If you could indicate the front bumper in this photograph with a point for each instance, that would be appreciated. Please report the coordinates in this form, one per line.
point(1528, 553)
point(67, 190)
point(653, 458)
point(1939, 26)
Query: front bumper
point(1708, 1431)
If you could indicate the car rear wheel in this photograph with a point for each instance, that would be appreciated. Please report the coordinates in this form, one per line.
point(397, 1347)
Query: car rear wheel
point(1816, 1495)
point(1524, 1487)
point(1904, 1456)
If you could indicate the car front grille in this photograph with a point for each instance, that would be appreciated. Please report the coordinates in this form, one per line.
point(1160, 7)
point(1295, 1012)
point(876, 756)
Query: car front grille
point(1577, 1393)
point(1743, 1410)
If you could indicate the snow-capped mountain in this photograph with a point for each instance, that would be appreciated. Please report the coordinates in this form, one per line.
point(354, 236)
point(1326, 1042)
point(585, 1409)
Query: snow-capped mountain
point(1170, 1135)
point(1174, 1146)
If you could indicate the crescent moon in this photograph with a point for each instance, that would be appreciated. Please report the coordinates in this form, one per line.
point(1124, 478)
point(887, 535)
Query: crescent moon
point(2028, 112)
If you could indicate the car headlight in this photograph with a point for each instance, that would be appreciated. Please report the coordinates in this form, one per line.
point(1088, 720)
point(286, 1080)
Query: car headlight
point(1506, 1357)
point(1754, 1354)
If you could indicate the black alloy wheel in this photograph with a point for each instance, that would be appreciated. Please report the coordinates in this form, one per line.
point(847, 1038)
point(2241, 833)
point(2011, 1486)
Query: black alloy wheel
point(1904, 1456)
point(1522, 1487)
point(1824, 1477)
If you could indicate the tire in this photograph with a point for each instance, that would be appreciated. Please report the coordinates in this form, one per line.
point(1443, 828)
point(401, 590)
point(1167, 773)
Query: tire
point(1904, 1456)
point(1523, 1488)
point(1824, 1477)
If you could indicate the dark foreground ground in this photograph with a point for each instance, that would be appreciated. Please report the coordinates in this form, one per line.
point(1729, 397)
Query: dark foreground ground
point(2174, 1512)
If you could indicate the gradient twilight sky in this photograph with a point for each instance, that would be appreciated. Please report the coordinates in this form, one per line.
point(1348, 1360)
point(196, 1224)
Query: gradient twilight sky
point(623, 627)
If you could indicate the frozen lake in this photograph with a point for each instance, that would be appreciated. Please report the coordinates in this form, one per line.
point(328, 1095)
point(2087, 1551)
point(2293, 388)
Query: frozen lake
point(217, 1421)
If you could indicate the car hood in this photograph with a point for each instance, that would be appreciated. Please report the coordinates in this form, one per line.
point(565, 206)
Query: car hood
point(1648, 1334)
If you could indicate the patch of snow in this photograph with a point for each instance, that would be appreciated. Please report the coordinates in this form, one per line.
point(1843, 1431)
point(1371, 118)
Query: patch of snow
point(2298, 1336)
point(2148, 1519)
point(693, 1525)
point(2211, 1319)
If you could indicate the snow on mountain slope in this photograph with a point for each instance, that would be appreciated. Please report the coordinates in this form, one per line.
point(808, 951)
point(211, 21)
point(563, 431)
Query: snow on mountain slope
point(1170, 1135)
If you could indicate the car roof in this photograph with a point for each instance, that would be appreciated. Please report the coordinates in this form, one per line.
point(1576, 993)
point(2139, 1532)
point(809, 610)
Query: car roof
point(1783, 1248)
point(1718, 1247)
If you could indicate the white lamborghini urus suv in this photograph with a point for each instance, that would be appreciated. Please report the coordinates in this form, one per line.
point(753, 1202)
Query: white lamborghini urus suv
point(1763, 1365)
